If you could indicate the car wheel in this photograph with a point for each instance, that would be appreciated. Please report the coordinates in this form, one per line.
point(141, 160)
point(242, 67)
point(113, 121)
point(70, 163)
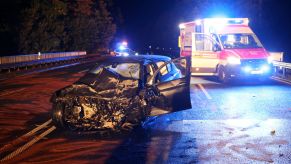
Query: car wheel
point(57, 115)
point(223, 75)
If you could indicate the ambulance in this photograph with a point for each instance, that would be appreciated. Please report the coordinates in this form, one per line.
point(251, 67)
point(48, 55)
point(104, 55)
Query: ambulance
point(224, 47)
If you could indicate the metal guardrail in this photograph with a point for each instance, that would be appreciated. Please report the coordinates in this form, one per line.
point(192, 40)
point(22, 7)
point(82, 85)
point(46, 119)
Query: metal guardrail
point(10, 63)
point(282, 70)
point(39, 56)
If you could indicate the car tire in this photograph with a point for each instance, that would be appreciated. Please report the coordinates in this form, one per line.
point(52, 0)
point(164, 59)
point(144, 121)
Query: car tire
point(223, 76)
point(57, 115)
point(58, 118)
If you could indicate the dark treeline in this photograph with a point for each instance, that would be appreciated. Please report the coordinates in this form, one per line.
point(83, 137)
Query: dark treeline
point(56, 25)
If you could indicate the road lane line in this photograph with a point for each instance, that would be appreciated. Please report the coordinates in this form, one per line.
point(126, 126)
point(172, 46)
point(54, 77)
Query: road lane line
point(204, 91)
point(11, 92)
point(28, 144)
point(84, 71)
point(25, 136)
point(38, 128)
point(280, 80)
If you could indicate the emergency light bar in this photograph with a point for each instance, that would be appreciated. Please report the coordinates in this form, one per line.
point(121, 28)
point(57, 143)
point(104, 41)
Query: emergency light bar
point(225, 21)
point(217, 22)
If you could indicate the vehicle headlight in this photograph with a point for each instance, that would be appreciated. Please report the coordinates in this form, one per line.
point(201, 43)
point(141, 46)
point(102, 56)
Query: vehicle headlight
point(247, 69)
point(270, 59)
point(125, 54)
point(265, 68)
point(233, 60)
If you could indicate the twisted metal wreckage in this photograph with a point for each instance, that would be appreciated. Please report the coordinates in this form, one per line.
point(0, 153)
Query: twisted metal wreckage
point(106, 101)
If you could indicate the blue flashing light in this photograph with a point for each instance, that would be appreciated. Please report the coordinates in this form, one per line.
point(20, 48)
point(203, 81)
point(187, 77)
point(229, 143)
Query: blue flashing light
point(121, 47)
point(237, 21)
point(264, 69)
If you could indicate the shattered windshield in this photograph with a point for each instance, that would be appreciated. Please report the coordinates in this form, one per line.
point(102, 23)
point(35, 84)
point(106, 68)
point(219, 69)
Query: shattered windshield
point(232, 41)
point(127, 70)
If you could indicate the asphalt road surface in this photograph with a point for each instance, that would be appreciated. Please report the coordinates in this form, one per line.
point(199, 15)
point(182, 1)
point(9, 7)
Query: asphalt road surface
point(245, 122)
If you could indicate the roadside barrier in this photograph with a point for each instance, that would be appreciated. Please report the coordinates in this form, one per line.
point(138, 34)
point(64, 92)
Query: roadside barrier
point(282, 70)
point(10, 63)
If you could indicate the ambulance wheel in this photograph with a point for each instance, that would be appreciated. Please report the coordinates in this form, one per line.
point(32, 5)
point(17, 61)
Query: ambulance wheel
point(223, 76)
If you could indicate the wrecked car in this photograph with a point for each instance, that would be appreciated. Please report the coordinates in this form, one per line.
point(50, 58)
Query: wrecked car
point(121, 92)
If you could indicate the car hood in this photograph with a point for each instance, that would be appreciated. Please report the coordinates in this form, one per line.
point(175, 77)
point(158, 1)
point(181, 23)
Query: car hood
point(252, 53)
point(105, 84)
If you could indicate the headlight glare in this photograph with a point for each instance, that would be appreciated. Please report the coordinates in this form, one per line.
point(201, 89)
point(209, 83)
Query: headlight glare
point(233, 60)
point(265, 68)
point(247, 69)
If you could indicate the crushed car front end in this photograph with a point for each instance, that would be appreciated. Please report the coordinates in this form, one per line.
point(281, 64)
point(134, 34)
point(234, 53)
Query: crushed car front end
point(102, 99)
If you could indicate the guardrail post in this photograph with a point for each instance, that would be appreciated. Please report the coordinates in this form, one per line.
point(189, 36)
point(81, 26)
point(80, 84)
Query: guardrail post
point(284, 72)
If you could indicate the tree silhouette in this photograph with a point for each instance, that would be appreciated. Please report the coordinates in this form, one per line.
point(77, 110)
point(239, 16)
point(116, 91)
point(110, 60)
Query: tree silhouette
point(60, 25)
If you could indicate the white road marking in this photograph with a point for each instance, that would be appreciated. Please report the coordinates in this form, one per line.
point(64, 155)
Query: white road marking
point(281, 80)
point(204, 91)
point(39, 127)
point(11, 92)
point(29, 143)
point(84, 71)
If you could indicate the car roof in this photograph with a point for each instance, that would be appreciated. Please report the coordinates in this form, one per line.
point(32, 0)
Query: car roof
point(136, 59)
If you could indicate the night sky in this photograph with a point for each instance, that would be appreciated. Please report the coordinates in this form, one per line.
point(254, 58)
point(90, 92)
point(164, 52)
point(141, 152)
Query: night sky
point(155, 22)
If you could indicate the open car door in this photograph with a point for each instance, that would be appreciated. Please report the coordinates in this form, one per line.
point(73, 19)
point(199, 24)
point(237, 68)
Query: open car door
point(171, 82)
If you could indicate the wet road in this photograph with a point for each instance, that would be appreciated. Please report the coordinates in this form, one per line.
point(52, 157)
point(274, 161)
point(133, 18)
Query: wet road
point(239, 123)
point(242, 123)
